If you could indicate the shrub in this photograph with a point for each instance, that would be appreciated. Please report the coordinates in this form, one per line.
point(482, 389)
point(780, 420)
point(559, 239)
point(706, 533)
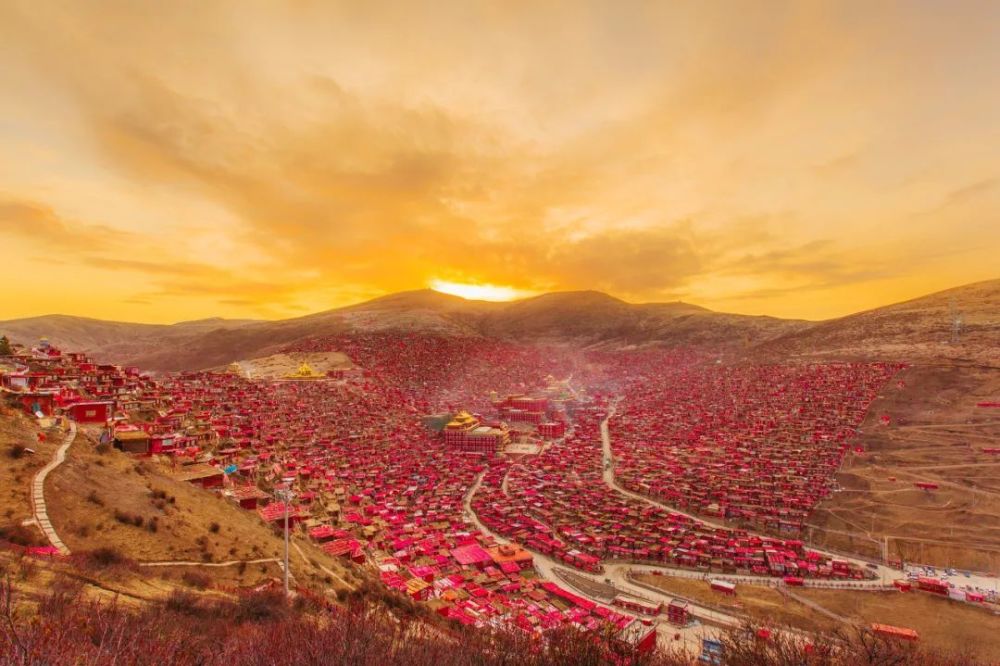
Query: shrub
point(21, 535)
point(129, 518)
point(17, 451)
point(94, 498)
point(261, 606)
point(105, 556)
point(214, 528)
point(196, 579)
point(184, 603)
point(262, 628)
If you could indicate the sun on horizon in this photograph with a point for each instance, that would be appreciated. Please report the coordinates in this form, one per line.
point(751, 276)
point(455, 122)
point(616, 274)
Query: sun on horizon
point(478, 292)
point(807, 161)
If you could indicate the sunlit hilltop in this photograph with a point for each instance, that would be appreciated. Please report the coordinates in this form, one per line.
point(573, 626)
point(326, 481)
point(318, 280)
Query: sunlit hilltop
point(478, 292)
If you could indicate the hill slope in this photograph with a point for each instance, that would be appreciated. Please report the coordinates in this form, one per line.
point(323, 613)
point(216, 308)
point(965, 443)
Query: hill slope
point(93, 494)
point(918, 329)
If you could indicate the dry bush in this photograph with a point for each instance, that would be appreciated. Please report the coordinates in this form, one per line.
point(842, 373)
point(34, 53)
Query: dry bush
point(196, 579)
point(21, 535)
point(186, 603)
point(104, 557)
point(264, 606)
point(127, 518)
point(262, 629)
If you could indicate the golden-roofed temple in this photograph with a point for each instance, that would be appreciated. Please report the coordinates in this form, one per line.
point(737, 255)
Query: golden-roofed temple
point(462, 421)
point(305, 372)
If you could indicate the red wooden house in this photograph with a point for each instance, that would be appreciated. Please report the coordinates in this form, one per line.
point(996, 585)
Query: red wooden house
point(91, 412)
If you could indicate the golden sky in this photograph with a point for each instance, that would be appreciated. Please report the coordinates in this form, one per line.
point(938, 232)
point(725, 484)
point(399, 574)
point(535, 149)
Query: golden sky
point(184, 159)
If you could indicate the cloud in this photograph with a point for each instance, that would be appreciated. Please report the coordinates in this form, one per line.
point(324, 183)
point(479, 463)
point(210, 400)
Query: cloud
point(40, 223)
point(155, 268)
point(331, 151)
point(971, 192)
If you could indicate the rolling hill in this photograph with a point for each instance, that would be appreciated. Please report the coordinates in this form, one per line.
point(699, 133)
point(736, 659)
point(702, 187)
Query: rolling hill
point(920, 328)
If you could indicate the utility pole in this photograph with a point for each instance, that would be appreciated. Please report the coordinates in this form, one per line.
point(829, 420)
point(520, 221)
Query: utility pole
point(286, 495)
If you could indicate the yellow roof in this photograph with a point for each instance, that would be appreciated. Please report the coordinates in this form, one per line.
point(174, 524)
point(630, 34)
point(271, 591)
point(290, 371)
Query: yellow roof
point(461, 419)
point(416, 585)
point(304, 372)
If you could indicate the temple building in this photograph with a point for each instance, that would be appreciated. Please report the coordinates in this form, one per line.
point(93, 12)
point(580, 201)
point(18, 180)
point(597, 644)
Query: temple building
point(466, 433)
point(304, 373)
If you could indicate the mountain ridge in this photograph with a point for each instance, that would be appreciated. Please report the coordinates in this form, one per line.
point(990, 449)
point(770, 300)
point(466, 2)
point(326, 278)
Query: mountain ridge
point(586, 318)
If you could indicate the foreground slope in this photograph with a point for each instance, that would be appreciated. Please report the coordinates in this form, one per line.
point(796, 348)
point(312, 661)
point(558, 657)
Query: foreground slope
point(101, 498)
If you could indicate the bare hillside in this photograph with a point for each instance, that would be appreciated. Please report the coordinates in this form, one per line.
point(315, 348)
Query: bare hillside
point(919, 329)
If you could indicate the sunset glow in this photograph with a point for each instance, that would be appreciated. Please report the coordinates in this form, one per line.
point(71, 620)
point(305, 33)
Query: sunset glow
point(804, 160)
point(478, 292)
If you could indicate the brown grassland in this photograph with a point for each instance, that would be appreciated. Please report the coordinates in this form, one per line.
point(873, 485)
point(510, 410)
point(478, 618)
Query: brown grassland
point(936, 435)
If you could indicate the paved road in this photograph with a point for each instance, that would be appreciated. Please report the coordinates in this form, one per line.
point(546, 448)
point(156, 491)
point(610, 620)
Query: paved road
point(38, 492)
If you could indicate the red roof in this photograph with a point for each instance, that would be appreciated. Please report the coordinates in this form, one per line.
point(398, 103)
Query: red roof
point(471, 554)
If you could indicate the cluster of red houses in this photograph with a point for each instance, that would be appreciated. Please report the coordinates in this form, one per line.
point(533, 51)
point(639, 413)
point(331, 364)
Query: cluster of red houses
point(46, 382)
point(756, 445)
point(560, 505)
point(375, 486)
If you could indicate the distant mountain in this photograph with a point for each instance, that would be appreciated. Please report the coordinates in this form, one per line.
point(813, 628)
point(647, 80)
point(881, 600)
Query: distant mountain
point(918, 329)
point(113, 341)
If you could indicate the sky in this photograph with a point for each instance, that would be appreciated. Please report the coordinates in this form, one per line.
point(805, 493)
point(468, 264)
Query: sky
point(173, 161)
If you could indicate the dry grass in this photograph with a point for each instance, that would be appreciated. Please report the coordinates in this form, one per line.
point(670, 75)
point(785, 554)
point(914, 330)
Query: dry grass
point(129, 586)
point(761, 604)
point(943, 624)
point(16, 473)
point(957, 525)
point(115, 500)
